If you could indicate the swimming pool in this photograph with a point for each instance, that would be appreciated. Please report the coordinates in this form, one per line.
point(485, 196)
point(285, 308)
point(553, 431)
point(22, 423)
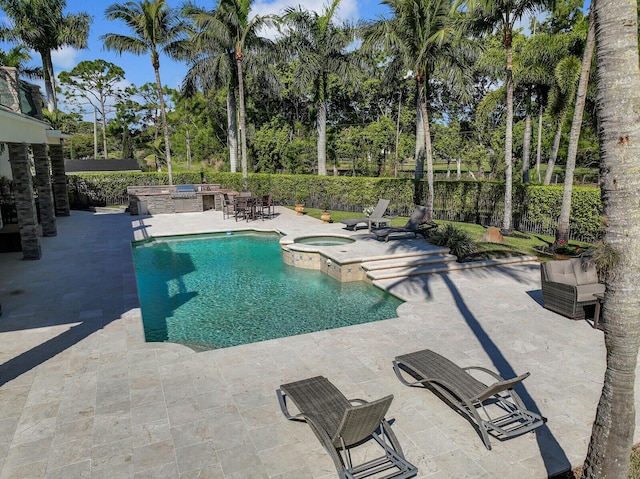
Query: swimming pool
point(216, 291)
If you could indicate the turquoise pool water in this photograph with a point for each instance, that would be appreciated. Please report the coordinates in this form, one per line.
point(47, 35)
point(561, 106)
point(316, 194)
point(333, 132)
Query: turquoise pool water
point(216, 291)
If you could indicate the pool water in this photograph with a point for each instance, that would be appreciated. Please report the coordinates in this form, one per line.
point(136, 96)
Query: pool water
point(216, 291)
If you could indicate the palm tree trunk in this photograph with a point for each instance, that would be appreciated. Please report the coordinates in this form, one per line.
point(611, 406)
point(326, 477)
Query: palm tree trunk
point(165, 126)
point(395, 164)
point(188, 145)
point(428, 154)
point(508, 143)
point(526, 143)
point(554, 151)
point(232, 129)
point(562, 234)
point(322, 138)
point(618, 100)
point(539, 149)
point(243, 128)
point(49, 80)
point(420, 143)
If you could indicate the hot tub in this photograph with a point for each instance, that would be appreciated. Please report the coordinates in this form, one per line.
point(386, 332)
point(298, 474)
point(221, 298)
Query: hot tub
point(324, 240)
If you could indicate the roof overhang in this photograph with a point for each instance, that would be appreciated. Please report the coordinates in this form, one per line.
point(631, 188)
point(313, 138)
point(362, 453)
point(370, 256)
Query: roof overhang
point(19, 128)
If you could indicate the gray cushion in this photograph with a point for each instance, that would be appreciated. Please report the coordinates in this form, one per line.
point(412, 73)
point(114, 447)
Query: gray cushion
point(561, 272)
point(584, 270)
point(585, 292)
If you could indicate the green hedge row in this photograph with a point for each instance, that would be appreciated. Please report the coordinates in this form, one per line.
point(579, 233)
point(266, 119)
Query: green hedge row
point(470, 201)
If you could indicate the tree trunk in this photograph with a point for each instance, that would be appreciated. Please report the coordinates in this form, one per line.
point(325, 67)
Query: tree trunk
point(526, 143)
point(103, 126)
point(428, 152)
point(562, 234)
point(554, 151)
point(508, 142)
point(618, 100)
point(322, 138)
point(243, 128)
point(232, 129)
point(395, 165)
point(539, 149)
point(95, 133)
point(188, 145)
point(49, 80)
point(420, 143)
point(165, 126)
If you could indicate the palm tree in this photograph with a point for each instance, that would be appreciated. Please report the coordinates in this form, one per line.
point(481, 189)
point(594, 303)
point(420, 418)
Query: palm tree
point(501, 15)
point(561, 97)
point(562, 234)
point(211, 66)
point(40, 25)
point(222, 46)
point(425, 40)
point(320, 47)
point(155, 27)
point(17, 57)
point(618, 99)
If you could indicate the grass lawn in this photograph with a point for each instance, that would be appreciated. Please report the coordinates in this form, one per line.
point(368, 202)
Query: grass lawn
point(521, 243)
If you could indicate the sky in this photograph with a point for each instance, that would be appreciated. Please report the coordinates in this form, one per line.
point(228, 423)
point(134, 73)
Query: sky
point(138, 69)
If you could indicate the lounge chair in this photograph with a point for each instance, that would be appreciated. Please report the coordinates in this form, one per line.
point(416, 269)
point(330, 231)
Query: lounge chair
point(496, 407)
point(376, 218)
point(415, 225)
point(341, 424)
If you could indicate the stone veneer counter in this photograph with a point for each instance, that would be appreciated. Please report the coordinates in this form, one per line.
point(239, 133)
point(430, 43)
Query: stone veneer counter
point(164, 199)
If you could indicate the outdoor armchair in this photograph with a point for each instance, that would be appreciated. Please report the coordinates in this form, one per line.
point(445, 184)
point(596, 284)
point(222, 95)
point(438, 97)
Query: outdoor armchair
point(570, 285)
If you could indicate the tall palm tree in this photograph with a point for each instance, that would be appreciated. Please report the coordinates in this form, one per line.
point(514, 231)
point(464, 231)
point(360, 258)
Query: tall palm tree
point(211, 66)
point(155, 28)
point(618, 100)
point(321, 49)
point(502, 15)
point(561, 97)
point(425, 40)
point(562, 233)
point(219, 51)
point(41, 25)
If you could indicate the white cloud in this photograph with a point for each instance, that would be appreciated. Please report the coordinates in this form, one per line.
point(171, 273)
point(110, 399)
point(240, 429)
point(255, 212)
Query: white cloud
point(347, 9)
point(64, 58)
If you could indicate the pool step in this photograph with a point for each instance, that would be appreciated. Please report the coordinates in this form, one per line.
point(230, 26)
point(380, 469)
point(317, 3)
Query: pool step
point(410, 265)
point(408, 261)
point(379, 276)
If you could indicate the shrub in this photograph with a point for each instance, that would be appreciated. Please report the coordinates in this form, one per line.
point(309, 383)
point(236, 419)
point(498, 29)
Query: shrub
point(457, 240)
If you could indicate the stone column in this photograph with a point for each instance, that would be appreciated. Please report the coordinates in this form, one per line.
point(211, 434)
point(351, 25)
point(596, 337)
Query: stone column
point(60, 195)
point(25, 202)
point(45, 195)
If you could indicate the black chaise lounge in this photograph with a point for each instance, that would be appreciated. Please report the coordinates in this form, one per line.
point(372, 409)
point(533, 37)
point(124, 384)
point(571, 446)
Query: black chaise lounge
point(496, 408)
point(376, 218)
point(416, 224)
point(341, 424)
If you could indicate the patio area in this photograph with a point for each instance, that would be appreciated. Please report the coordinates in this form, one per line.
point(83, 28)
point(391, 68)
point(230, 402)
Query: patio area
point(84, 396)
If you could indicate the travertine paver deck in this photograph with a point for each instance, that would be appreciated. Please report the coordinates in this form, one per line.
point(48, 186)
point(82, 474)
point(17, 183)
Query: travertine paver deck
point(83, 396)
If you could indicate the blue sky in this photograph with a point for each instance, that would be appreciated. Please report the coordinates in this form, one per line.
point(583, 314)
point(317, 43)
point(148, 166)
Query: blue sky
point(138, 69)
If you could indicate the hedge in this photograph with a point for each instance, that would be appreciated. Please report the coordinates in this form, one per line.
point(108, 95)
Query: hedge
point(535, 208)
